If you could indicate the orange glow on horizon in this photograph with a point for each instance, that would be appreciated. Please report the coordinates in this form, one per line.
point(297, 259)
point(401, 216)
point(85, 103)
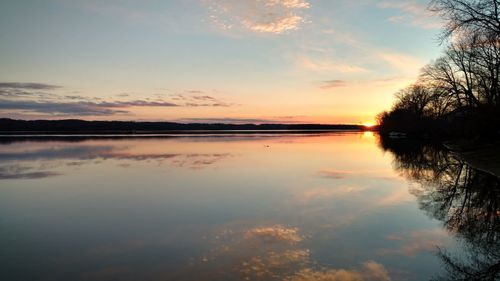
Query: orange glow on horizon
point(369, 124)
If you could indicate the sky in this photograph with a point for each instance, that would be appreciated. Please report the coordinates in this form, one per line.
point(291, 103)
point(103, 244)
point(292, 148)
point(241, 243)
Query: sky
point(231, 61)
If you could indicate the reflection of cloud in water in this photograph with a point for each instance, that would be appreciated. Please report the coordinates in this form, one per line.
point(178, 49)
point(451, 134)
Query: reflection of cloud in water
point(199, 161)
point(275, 252)
point(57, 152)
point(269, 266)
point(398, 196)
point(274, 233)
point(23, 172)
point(326, 193)
point(90, 152)
point(269, 252)
point(39, 162)
point(426, 240)
point(335, 174)
point(369, 271)
point(385, 174)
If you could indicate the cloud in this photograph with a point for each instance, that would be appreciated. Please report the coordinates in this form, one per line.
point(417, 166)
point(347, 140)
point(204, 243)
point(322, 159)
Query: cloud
point(264, 16)
point(274, 26)
point(35, 98)
point(329, 84)
point(28, 86)
point(402, 62)
point(413, 13)
point(194, 99)
point(81, 108)
point(16, 90)
point(136, 103)
point(326, 65)
point(30, 175)
point(60, 108)
point(26, 108)
point(342, 37)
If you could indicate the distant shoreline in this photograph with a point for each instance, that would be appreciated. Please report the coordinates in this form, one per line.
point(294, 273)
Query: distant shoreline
point(9, 127)
point(171, 132)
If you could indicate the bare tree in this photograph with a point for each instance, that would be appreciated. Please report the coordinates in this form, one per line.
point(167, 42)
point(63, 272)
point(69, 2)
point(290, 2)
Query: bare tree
point(462, 87)
point(468, 16)
point(442, 76)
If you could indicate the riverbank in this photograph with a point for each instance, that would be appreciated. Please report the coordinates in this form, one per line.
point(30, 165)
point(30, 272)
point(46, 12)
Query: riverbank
point(484, 157)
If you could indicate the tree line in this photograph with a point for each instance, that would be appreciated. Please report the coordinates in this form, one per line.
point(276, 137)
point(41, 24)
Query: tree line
point(11, 126)
point(459, 92)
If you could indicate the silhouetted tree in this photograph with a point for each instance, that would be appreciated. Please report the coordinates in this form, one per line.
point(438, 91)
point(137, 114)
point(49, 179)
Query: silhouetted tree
point(459, 93)
point(468, 16)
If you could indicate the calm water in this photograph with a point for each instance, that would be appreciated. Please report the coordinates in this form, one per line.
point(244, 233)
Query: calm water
point(287, 207)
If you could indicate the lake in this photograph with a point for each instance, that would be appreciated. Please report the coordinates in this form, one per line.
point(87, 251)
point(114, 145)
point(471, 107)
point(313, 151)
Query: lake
point(331, 206)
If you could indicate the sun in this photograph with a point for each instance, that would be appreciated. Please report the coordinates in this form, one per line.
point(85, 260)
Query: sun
point(369, 124)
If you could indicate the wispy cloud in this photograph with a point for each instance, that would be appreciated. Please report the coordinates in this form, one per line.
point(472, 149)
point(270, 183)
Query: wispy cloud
point(198, 98)
point(329, 84)
point(412, 13)
point(265, 16)
point(384, 82)
point(28, 86)
point(19, 90)
point(43, 99)
point(61, 108)
point(341, 37)
point(401, 61)
point(326, 65)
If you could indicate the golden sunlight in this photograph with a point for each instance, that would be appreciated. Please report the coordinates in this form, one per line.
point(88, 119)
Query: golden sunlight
point(369, 124)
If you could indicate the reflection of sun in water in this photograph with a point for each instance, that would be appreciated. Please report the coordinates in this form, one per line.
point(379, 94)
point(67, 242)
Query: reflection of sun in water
point(368, 135)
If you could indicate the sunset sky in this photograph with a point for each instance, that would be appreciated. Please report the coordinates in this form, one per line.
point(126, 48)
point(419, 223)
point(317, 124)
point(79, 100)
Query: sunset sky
point(239, 61)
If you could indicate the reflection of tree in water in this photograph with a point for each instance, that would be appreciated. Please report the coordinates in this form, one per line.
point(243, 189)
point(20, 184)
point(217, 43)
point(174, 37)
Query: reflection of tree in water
point(466, 200)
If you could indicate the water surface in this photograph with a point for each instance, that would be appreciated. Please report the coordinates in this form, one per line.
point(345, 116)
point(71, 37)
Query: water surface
point(253, 207)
